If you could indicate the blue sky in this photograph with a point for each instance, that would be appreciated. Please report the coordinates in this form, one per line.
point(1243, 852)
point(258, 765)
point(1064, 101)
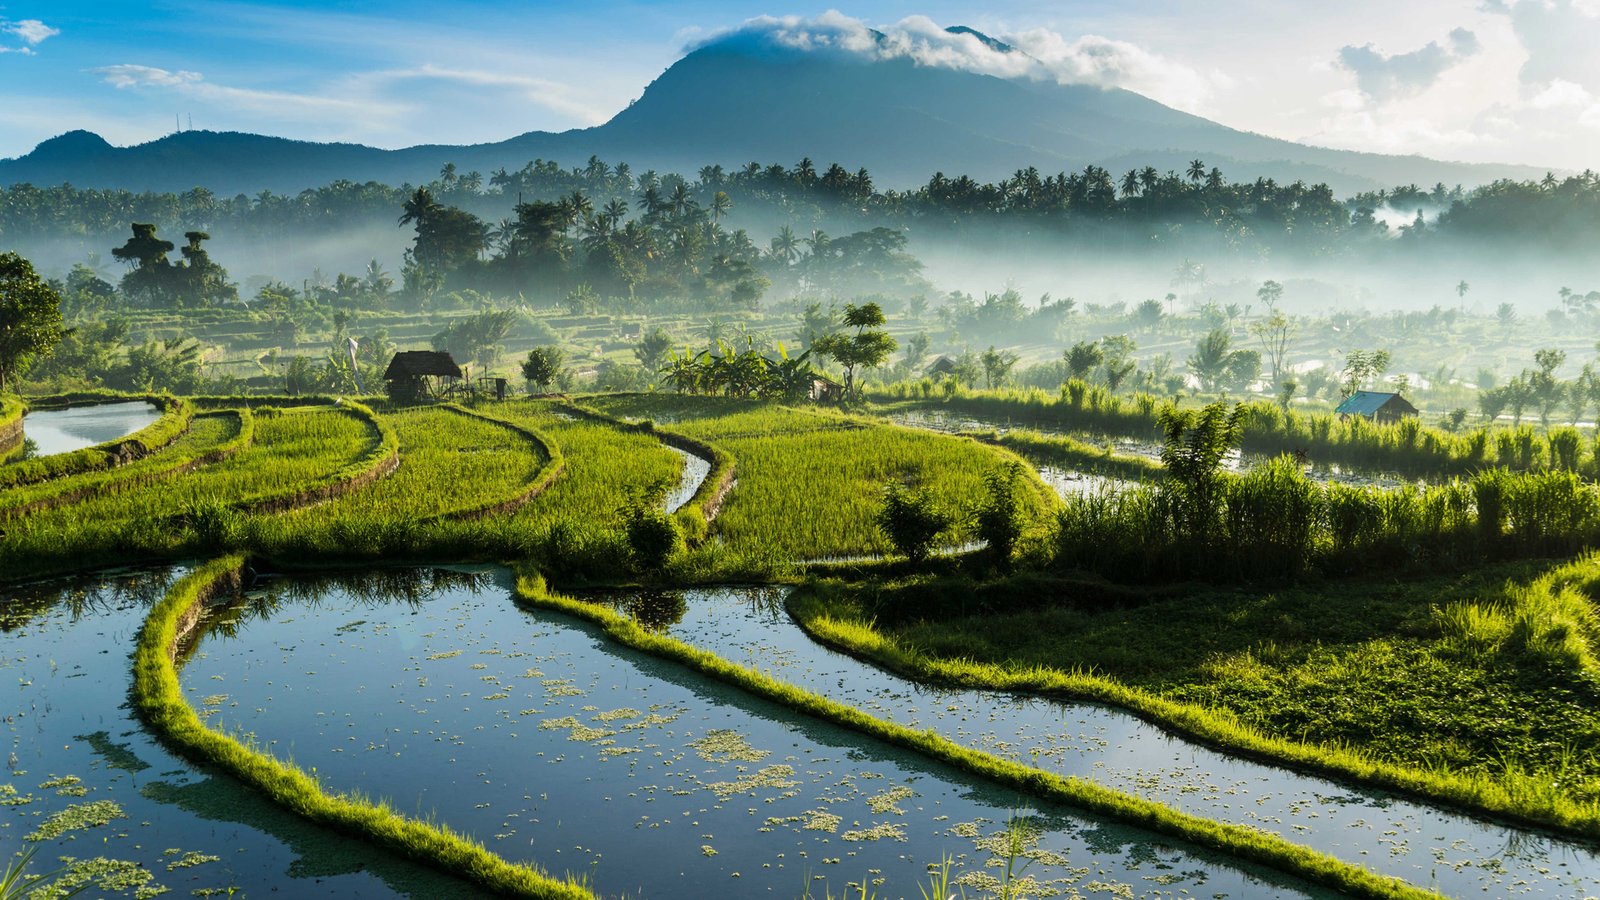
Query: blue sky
point(1501, 80)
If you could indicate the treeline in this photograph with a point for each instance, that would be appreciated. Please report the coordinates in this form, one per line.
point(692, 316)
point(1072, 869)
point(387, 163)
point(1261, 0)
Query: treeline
point(1246, 214)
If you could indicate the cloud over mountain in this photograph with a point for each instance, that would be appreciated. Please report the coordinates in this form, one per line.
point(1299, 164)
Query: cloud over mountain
point(1037, 54)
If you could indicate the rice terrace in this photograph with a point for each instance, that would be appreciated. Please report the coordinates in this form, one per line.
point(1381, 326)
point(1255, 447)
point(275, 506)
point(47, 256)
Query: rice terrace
point(842, 456)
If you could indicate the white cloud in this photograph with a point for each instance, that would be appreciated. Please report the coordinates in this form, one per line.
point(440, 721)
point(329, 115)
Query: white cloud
point(127, 76)
point(31, 32)
point(554, 95)
point(1037, 54)
point(281, 104)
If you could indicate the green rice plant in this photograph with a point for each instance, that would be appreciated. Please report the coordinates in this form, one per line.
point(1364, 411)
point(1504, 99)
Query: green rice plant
point(454, 466)
point(1406, 447)
point(291, 454)
point(158, 697)
point(174, 421)
point(1069, 453)
point(211, 437)
point(808, 481)
point(1158, 659)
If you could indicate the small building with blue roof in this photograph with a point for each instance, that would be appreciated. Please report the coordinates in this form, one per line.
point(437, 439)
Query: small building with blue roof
point(1377, 406)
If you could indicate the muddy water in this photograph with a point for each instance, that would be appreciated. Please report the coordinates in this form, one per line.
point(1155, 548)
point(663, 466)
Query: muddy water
point(1453, 853)
point(537, 735)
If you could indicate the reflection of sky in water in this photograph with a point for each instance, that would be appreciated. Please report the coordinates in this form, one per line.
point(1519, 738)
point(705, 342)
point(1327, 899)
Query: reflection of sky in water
point(1453, 853)
point(695, 470)
point(66, 430)
point(550, 743)
point(67, 724)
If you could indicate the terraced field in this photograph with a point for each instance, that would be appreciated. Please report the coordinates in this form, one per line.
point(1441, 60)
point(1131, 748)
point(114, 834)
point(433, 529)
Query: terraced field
point(428, 716)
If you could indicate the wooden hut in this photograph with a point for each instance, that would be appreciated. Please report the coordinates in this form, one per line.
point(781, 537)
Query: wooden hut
point(415, 375)
point(825, 389)
point(1378, 406)
point(944, 365)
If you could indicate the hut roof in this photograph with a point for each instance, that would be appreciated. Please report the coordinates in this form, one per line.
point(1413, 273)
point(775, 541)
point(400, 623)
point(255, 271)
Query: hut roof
point(1369, 403)
point(416, 363)
point(942, 365)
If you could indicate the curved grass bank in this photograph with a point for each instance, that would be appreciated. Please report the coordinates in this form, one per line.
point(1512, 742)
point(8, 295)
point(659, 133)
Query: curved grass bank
point(553, 466)
point(380, 460)
point(1523, 799)
point(11, 410)
point(174, 421)
point(179, 459)
point(702, 508)
point(159, 698)
point(1236, 841)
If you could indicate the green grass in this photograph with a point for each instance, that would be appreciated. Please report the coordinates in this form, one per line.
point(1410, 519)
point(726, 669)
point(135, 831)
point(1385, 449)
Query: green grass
point(809, 483)
point(292, 452)
point(158, 696)
point(456, 467)
point(11, 410)
point(211, 437)
point(1238, 841)
point(173, 421)
point(1406, 447)
point(605, 465)
point(1499, 711)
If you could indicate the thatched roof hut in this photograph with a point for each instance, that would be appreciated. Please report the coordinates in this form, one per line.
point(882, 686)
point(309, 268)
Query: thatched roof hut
point(416, 374)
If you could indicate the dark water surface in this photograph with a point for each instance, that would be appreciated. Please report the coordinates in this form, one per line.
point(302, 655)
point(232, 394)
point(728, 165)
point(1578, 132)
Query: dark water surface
point(1453, 853)
point(539, 736)
point(73, 747)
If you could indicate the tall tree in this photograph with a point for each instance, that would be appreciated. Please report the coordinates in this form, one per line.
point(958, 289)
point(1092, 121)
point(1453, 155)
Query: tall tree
point(30, 316)
point(867, 348)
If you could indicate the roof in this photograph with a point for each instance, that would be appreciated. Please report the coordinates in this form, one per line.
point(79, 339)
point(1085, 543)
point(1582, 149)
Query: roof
point(1367, 403)
point(941, 365)
point(415, 363)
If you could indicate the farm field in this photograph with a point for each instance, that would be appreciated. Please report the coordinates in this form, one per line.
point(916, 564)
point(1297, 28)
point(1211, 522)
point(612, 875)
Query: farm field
point(438, 630)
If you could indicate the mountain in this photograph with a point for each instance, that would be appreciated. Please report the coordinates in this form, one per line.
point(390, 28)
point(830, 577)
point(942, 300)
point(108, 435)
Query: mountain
point(736, 100)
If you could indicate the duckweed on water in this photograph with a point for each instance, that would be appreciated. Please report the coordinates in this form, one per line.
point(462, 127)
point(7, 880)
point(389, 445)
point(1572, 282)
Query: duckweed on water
point(77, 817)
point(721, 745)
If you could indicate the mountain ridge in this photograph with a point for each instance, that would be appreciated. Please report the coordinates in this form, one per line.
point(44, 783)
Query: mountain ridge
point(734, 101)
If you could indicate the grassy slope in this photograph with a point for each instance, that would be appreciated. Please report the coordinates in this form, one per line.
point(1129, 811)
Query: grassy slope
point(809, 482)
point(291, 450)
point(209, 434)
point(1500, 711)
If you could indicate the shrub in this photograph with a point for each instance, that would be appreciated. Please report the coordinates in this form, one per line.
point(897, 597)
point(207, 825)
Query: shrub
point(999, 519)
point(654, 536)
point(912, 520)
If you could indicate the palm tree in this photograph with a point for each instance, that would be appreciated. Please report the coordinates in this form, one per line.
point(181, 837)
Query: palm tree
point(1197, 171)
point(785, 246)
point(1130, 183)
point(720, 204)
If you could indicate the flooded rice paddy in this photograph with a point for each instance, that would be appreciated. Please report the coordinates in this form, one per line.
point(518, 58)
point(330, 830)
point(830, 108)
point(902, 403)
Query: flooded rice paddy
point(83, 779)
point(1453, 853)
point(55, 431)
point(539, 736)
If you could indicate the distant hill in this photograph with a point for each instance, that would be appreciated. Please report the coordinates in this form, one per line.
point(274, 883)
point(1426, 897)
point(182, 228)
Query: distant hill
point(731, 103)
